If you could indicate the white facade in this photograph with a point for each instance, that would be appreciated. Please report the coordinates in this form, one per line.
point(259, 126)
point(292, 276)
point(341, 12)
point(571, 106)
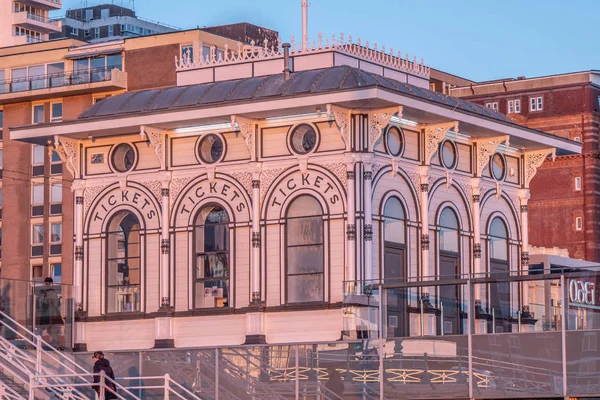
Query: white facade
point(282, 201)
point(27, 22)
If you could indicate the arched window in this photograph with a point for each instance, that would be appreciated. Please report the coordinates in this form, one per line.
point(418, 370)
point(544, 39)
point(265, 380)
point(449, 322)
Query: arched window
point(394, 262)
point(499, 269)
point(211, 248)
point(449, 231)
point(449, 268)
point(124, 271)
point(498, 240)
point(304, 241)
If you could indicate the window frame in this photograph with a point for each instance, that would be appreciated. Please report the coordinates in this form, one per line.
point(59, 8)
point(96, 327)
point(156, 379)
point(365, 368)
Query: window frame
point(33, 108)
point(227, 252)
point(183, 48)
point(514, 105)
point(492, 105)
point(52, 117)
point(577, 183)
point(323, 243)
point(579, 224)
point(536, 103)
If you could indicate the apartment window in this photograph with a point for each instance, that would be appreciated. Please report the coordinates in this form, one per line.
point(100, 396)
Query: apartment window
point(56, 199)
point(56, 272)
point(111, 30)
point(104, 13)
point(37, 201)
point(514, 106)
point(187, 53)
point(579, 223)
point(55, 239)
point(38, 160)
point(89, 14)
point(578, 183)
point(37, 241)
point(493, 105)
point(86, 33)
point(97, 33)
point(55, 164)
point(536, 103)
point(56, 112)
point(577, 139)
point(38, 114)
point(36, 272)
point(74, 31)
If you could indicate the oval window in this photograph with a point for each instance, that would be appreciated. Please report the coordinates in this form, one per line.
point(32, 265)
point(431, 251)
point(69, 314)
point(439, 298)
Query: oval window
point(498, 167)
point(303, 139)
point(393, 141)
point(448, 154)
point(210, 148)
point(123, 157)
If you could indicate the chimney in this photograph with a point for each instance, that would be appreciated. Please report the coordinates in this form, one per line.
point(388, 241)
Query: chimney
point(286, 60)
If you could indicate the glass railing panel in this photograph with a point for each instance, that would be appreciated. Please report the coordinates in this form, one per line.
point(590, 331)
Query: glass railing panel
point(583, 363)
point(524, 365)
point(425, 367)
point(583, 294)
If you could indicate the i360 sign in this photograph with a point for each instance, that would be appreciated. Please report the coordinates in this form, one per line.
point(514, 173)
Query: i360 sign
point(581, 292)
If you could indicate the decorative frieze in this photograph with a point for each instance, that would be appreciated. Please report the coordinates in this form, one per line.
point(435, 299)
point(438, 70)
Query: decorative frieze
point(78, 253)
point(425, 241)
point(533, 160)
point(156, 137)
point(90, 194)
point(247, 127)
point(256, 240)
point(342, 119)
point(339, 170)
point(68, 150)
point(378, 120)
point(524, 259)
point(155, 187)
point(245, 179)
point(351, 232)
point(177, 185)
point(368, 232)
point(267, 177)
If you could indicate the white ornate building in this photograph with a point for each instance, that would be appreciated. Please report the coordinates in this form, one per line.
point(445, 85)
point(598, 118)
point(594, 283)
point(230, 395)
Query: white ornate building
point(246, 204)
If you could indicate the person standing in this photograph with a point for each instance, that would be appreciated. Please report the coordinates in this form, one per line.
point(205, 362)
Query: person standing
point(102, 364)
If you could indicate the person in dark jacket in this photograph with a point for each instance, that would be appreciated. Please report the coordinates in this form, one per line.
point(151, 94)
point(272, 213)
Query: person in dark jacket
point(102, 364)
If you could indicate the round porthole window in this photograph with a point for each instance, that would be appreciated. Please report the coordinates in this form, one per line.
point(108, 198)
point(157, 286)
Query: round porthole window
point(448, 154)
point(123, 157)
point(498, 166)
point(303, 139)
point(393, 141)
point(211, 148)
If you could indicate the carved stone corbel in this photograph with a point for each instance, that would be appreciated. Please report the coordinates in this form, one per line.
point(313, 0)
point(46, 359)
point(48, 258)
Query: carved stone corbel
point(342, 119)
point(486, 148)
point(533, 160)
point(378, 120)
point(448, 179)
point(210, 172)
point(68, 150)
point(156, 137)
point(434, 134)
point(246, 128)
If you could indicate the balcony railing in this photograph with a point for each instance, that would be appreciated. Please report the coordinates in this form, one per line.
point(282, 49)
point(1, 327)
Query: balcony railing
point(43, 20)
point(56, 80)
point(31, 39)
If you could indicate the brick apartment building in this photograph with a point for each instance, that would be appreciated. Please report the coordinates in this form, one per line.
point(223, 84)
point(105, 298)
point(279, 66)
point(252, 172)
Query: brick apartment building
point(55, 81)
point(564, 205)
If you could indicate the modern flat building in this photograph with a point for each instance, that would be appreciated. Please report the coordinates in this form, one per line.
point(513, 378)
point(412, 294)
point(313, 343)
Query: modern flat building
point(107, 22)
point(564, 200)
point(55, 81)
point(28, 21)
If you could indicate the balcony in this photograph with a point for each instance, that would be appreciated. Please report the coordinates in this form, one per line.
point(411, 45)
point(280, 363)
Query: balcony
point(63, 83)
point(45, 4)
point(36, 23)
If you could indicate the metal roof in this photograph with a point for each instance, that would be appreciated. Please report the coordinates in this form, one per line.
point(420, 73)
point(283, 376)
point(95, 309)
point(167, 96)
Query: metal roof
point(267, 87)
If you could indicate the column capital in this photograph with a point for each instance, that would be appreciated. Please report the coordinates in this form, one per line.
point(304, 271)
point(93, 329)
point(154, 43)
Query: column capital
point(524, 195)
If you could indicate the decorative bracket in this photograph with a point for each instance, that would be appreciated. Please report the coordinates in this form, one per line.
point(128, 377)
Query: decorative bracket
point(342, 119)
point(448, 179)
point(378, 120)
point(533, 160)
point(434, 134)
point(67, 150)
point(156, 138)
point(486, 148)
point(246, 128)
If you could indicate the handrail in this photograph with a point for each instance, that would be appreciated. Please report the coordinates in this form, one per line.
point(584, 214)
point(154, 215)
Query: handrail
point(11, 391)
point(103, 380)
point(166, 386)
point(58, 79)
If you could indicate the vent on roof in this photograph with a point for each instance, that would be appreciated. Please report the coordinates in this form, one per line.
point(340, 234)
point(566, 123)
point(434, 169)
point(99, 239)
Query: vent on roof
point(520, 78)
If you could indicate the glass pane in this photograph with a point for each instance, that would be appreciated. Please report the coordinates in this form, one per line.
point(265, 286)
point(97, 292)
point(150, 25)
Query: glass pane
point(56, 195)
point(305, 288)
point(56, 231)
point(304, 139)
point(211, 266)
point(448, 154)
point(57, 111)
point(211, 294)
point(1, 154)
point(36, 76)
point(38, 234)
point(212, 238)
point(498, 248)
point(394, 230)
point(38, 154)
point(448, 219)
point(38, 194)
point(38, 114)
point(449, 240)
point(302, 231)
point(115, 61)
point(393, 208)
point(304, 206)
point(304, 259)
point(57, 273)
point(0, 197)
point(123, 299)
point(394, 141)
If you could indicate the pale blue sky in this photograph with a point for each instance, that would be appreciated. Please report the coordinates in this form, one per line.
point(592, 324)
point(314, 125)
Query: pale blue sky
point(471, 38)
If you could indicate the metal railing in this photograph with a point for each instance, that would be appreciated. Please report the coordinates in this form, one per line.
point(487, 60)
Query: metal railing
point(56, 80)
point(39, 18)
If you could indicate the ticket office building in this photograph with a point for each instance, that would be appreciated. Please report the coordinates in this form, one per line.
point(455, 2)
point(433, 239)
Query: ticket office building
point(245, 210)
